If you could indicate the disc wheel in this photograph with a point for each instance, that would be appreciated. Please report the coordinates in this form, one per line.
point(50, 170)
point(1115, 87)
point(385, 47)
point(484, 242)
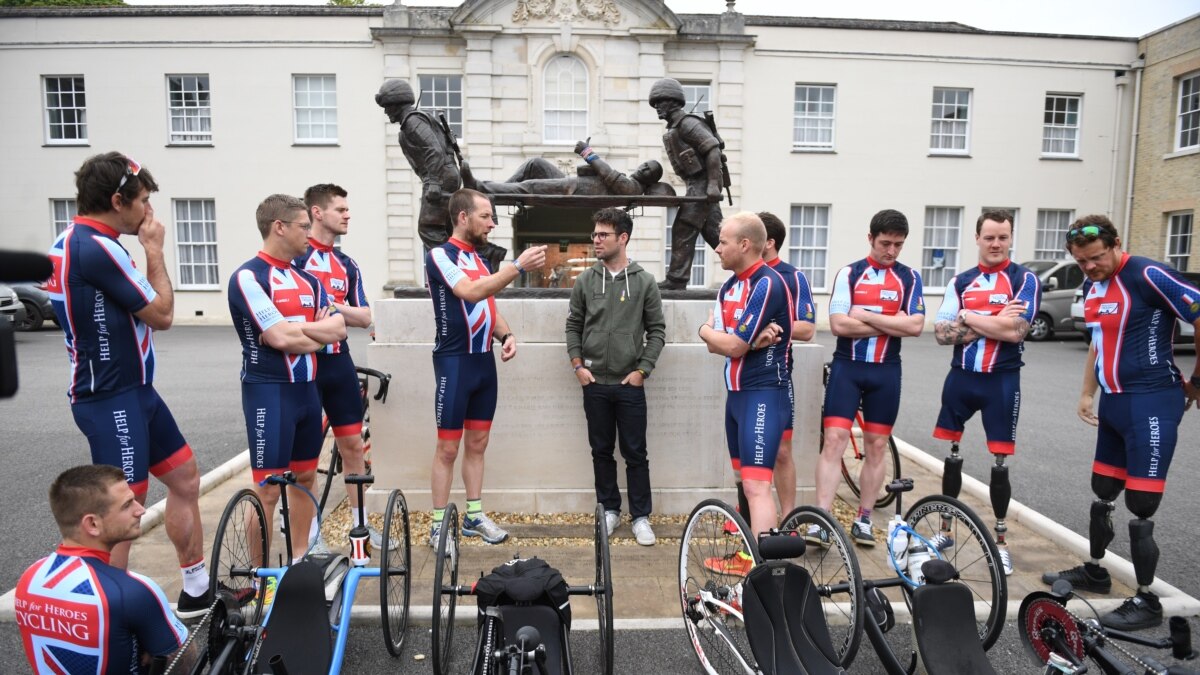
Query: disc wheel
point(445, 596)
point(855, 456)
point(717, 635)
point(1046, 627)
point(835, 566)
point(240, 547)
point(603, 591)
point(395, 580)
point(973, 554)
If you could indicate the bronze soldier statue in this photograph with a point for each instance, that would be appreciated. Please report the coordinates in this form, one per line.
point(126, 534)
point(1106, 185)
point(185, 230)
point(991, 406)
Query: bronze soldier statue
point(538, 176)
point(432, 152)
point(695, 153)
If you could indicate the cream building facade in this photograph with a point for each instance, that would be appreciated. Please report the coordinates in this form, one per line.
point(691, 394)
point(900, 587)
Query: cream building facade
point(826, 122)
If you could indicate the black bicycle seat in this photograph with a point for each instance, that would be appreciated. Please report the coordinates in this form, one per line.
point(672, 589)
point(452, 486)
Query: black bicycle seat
point(944, 615)
point(790, 635)
point(298, 631)
point(779, 546)
point(938, 571)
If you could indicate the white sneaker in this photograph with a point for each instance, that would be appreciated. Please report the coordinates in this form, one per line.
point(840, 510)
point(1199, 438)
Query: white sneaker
point(377, 540)
point(612, 519)
point(643, 532)
point(941, 541)
point(1005, 560)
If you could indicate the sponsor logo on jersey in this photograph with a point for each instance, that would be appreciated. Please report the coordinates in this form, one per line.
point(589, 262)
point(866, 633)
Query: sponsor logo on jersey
point(1108, 308)
point(337, 284)
point(886, 295)
point(998, 299)
point(306, 301)
point(737, 313)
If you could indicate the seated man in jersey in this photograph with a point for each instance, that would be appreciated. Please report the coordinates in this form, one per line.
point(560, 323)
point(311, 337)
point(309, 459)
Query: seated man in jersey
point(538, 176)
point(76, 612)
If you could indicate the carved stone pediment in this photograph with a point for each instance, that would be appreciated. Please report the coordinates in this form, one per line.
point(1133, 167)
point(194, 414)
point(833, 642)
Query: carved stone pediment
point(603, 11)
point(609, 14)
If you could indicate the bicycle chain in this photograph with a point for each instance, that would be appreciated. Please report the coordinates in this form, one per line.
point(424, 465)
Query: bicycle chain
point(1109, 642)
point(193, 632)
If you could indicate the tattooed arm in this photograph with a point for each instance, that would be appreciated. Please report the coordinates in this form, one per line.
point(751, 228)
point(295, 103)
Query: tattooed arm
point(954, 332)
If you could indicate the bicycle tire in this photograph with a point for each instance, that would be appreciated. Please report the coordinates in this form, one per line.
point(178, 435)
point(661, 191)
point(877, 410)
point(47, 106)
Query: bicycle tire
point(233, 547)
point(974, 555)
point(603, 591)
point(395, 578)
point(853, 457)
point(446, 567)
point(721, 644)
point(837, 564)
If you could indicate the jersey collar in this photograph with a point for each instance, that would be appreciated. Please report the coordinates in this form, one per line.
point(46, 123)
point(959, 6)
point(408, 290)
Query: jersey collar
point(97, 225)
point(467, 248)
point(998, 268)
point(877, 265)
point(750, 270)
point(319, 246)
point(84, 552)
point(1121, 265)
point(773, 262)
point(274, 262)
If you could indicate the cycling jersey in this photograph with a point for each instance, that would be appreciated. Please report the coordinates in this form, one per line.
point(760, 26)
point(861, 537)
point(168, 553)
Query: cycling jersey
point(746, 304)
point(263, 292)
point(95, 290)
point(461, 327)
point(79, 614)
point(339, 275)
point(879, 289)
point(1132, 318)
point(987, 290)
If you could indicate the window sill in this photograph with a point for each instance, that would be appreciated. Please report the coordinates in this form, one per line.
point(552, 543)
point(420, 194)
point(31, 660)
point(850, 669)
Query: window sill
point(80, 144)
point(316, 144)
point(1186, 152)
point(959, 155)
point(813, 151)
point(191, 145)
point(1061, 158)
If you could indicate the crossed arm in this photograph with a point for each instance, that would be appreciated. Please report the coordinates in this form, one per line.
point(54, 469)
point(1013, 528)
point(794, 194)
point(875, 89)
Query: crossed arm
point(860, 323)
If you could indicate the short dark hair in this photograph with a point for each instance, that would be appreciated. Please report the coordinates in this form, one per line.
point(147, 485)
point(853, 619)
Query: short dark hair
point(81, 490)
point(776, 232)
point(1107, 232)
point(321, 194)
point(618, 218)
point(889, 221)
point(464, 200)
point(275, 207)
point(997, 216)
point(97, 179)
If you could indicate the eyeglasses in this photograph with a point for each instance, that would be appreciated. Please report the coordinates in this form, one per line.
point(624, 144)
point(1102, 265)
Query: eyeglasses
point(1085, 231)
point(304, 224)
point(132, 168)
point(601, 235)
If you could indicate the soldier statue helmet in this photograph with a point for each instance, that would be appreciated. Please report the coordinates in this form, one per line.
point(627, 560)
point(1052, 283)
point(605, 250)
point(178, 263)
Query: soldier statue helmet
point(394, 96)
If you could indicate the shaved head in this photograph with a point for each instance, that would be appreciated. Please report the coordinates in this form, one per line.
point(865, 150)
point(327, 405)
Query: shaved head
point(747, 225)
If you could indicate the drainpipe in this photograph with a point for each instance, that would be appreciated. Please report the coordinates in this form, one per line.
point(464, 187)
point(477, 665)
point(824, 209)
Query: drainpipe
point(1114, 159)
point(1137, 67)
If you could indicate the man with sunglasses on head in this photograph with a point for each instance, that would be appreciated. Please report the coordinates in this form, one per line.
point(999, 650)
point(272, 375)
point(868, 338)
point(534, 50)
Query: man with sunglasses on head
point(109, 311)
point(1130, 304)
point(283, 317)
point(615, 332)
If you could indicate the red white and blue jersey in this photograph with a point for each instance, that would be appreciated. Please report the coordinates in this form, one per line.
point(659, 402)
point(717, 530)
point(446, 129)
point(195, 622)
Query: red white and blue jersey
point(339, 275)
point(263, 292)
point(987, 290)
point(1132, 318)
point(77, 614)
point(95, 290)
point(879, 289)
point(746, 304)
point(799, 292)
point(461, 327)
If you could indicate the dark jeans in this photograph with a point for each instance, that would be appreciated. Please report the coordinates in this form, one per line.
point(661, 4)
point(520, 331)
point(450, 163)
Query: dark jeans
point(618, 412)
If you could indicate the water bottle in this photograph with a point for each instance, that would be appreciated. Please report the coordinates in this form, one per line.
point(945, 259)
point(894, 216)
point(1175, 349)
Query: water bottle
point(360, 546)
point(917, 555)
point(898, 541)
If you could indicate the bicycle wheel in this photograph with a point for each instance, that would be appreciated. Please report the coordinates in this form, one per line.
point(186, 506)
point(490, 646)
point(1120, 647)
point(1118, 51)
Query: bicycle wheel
point(717, 635)
point(603, 591)
point(445, 596)
point(240, 545)
point(395, 582)
point(836, 565)
point(973, 554)
point(855, 455)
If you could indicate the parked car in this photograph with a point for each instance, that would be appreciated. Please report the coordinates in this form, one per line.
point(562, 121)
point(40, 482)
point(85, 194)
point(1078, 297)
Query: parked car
point(1184, 332)
point(37, 306)
point(1059, 280)
point(11, 309)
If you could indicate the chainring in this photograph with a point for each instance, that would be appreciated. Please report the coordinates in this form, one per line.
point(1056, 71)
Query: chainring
point(1041, 611)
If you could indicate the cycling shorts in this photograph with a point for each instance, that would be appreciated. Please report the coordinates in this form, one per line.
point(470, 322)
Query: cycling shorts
point(341, 397)
point(996, 396)
point(465, 397)
point(790, 420)
point(1136, 437)
point(283, 426)
point(754, 420)
point(875, 387)
point(135, 432)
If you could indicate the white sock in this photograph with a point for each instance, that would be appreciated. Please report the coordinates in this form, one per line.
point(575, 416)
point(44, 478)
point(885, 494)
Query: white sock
point(297, 559)
point(195, 579)
point(314, 531)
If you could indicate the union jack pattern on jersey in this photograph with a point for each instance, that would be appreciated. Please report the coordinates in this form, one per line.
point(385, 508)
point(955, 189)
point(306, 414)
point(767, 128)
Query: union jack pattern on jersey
point(746, 304)
point(95, 290)
point(461, 327)
point(339, 275)
point(263, 292)
point(987, 290)
point(879, 289)
point(77, 614)
point(1132, 318)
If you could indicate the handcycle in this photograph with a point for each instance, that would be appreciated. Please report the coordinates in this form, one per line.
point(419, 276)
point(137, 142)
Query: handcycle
point(856, 452)
point(1063, 642)
point(309, 615)
point(802, 608)
point(330, 465)
point(522, 626)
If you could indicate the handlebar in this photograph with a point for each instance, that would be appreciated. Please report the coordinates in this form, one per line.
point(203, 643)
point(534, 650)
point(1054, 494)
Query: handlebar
point(385, 379)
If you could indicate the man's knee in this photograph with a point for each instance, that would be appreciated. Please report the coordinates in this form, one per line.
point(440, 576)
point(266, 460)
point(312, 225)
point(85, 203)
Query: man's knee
point(1142, 504)
point(836, 439)
point(756, 489)
point(476, 442)
point(447, 450)
point(350, 446)
point(183, 481)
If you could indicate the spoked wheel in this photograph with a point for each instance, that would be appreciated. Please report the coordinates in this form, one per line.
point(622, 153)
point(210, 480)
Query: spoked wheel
point(856, 454)
point(240, 546)
point(837, 566)
point(445, 598)
point(712, 567)
point(603, 591)
point(1046, 627)
point(395, 580)
point(973, 554)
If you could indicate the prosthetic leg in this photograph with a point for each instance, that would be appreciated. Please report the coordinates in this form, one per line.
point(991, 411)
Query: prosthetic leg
point(951, 487)
point(1001, 494)
point(1143, 610)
